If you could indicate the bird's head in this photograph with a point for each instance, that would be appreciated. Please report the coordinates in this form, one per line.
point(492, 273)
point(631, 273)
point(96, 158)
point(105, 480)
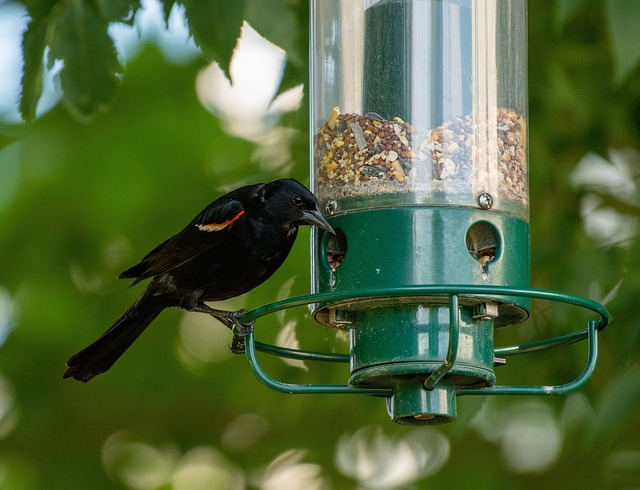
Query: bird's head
point(293, 203)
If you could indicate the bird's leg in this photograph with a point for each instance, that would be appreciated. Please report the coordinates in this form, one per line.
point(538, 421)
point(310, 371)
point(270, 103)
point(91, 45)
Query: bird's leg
point(230, 319)
point(223, 316)
point(192, 302)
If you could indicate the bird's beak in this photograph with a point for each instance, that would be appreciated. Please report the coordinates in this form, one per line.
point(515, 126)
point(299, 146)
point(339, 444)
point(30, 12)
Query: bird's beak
point(315, 218)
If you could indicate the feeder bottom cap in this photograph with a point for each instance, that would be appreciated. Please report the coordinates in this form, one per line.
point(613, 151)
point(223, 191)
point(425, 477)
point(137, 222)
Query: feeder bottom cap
point(424, 416)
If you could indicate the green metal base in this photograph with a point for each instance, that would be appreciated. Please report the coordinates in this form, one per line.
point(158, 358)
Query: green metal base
point(392, 342)
point(412, 404)
point(430, 399)
point(396, 341)
point(423, 354)
point(414, 246)
point(420, 290)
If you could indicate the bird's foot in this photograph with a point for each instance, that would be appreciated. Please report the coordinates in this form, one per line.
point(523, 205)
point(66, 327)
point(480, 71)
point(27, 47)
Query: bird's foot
point(240, 331)
point(238, 344)
point(230, 319)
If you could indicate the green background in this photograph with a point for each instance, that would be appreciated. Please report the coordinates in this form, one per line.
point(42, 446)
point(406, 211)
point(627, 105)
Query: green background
point(82, 201)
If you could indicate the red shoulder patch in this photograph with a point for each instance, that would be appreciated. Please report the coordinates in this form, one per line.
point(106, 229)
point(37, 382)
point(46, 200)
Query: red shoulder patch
point(220, 226)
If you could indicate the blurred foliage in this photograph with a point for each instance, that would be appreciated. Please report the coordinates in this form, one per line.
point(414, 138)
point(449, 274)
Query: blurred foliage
point(80, 202)
point(76, 33)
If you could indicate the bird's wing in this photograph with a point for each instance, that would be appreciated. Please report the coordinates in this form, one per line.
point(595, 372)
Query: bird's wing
point(203, 233)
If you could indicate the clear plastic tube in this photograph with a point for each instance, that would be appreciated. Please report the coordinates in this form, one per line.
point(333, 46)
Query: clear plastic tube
point(420, 102)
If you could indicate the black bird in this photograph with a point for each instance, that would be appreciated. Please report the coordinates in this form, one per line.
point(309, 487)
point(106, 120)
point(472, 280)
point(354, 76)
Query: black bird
point(232, 246)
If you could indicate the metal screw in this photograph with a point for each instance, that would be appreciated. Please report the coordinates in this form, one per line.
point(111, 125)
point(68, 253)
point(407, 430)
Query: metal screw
point(331, 207)
point(485, 201)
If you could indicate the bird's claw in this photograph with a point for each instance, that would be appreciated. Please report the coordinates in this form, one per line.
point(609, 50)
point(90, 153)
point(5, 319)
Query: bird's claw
point(240, 332)
point(241, 329)
point(238, 345)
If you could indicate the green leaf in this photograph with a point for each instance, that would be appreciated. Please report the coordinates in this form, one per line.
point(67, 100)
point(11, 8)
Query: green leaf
point(81, 40)
point(274, 20)
point(623, 18)
point(33, 44)
point(215, 25)
point(285, 24)
point(39, 9)
point(167, 6)
point(118, 10)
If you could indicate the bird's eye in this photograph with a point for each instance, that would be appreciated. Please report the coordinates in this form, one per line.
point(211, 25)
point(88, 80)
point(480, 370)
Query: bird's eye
point(296, 200)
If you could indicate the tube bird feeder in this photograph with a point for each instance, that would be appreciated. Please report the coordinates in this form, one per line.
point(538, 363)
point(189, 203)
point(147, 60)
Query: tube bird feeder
point(419, 156)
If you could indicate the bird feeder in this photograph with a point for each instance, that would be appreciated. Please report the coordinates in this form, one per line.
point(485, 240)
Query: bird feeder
point(419, 156)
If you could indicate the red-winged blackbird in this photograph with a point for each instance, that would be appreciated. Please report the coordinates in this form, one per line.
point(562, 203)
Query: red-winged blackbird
point(232, 246)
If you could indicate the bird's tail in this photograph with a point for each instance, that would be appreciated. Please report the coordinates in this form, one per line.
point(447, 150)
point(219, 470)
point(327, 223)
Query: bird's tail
point(100, 355)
